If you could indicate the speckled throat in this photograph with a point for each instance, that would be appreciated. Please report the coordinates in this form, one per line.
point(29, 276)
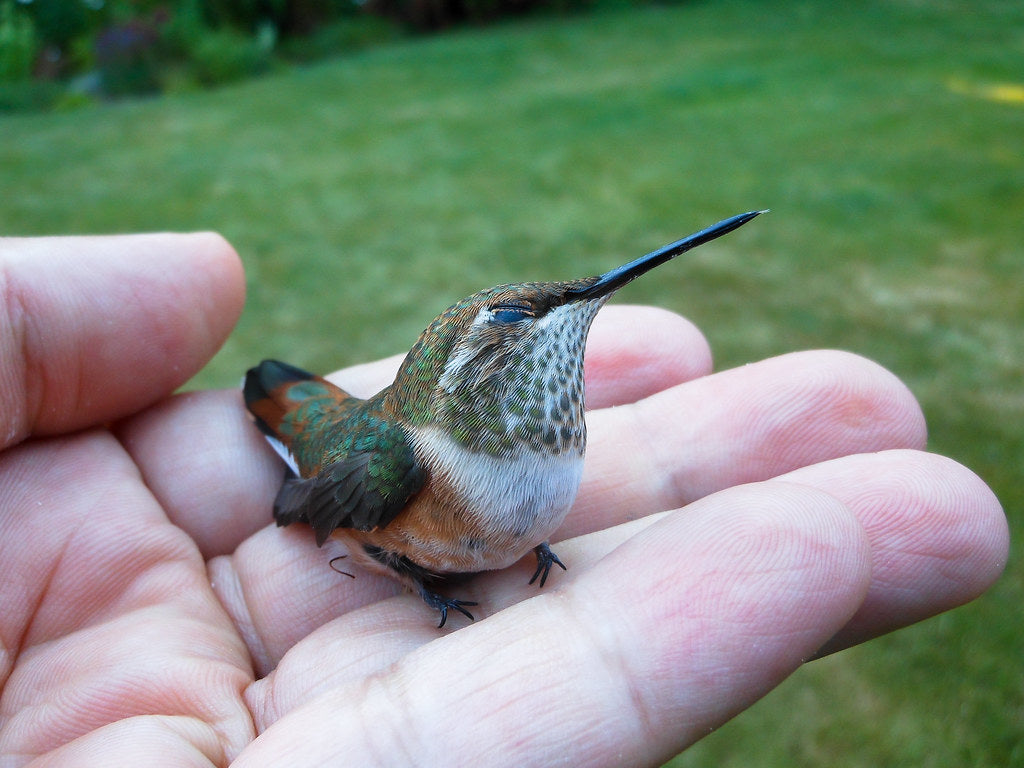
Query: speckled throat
point(503, 396)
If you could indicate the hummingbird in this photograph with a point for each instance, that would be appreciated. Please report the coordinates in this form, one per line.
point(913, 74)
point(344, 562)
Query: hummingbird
point(472, 456)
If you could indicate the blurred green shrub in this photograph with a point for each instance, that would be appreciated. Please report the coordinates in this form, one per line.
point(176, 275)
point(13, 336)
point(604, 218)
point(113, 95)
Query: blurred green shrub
point(344, 35)
point(58, 22)
point(221, 56)
point(128, 58)
point(18, 44)
point(199, 53)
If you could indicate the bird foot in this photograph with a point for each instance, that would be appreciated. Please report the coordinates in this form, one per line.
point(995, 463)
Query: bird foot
point(444, 604)
point(545, 559)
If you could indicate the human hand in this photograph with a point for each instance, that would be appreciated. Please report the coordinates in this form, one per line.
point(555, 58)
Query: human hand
point(729, 527)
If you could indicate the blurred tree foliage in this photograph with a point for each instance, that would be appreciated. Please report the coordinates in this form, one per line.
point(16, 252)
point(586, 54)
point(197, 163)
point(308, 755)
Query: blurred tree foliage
point(56, 53)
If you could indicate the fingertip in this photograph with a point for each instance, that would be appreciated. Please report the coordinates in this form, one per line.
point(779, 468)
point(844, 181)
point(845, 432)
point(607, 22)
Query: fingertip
point(634, 351)
point(366, 379)
point(225, 275)
point(194, 285)
point(988, 545)
point(945, 528)
point(870, 392)
point(938, 535)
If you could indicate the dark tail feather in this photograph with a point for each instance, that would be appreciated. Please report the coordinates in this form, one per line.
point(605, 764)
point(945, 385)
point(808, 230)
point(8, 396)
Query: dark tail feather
point(264, 392)
point(291, 501)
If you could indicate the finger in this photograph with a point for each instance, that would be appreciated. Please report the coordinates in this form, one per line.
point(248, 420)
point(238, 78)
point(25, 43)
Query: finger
point(208, 466)
point(661, 641)
point(738, 426)
point(278, 587)
point(216, 477)
point(95, 328)
point(938, 535)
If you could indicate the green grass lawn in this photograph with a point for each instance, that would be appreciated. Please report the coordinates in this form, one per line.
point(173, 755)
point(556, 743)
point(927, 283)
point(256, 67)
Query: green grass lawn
point(366, 194)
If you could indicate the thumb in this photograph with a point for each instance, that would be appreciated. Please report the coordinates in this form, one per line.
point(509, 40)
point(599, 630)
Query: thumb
point(95, 328)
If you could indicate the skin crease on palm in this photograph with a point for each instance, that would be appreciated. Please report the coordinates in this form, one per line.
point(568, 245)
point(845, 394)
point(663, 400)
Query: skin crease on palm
point(730, 527)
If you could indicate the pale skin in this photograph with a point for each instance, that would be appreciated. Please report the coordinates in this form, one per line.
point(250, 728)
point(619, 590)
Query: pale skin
point(730, 527)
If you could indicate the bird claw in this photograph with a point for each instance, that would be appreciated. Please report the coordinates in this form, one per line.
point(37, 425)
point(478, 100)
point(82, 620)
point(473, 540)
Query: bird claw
point(443, 604)
point(338, 570)
point(545, 559)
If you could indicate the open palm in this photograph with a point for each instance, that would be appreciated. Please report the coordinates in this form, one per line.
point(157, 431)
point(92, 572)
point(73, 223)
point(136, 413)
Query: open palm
point(730, 527)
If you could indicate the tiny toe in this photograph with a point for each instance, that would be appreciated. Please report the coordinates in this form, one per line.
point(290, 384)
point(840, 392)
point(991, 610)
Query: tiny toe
point(545, 559)
point(443, 604)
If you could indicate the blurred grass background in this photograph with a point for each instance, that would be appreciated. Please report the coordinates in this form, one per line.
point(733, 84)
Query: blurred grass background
point(367, 193)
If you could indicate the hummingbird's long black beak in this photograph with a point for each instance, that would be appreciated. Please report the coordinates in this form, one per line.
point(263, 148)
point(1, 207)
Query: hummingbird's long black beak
point(618, 277)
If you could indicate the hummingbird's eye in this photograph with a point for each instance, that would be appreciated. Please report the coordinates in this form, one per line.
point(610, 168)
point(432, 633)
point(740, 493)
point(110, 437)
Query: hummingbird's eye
point(510, 313)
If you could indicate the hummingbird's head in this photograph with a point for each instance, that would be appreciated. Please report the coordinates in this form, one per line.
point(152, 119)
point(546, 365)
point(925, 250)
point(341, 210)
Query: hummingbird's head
point(493, 369)
point(511, 332)
point(504, 366)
